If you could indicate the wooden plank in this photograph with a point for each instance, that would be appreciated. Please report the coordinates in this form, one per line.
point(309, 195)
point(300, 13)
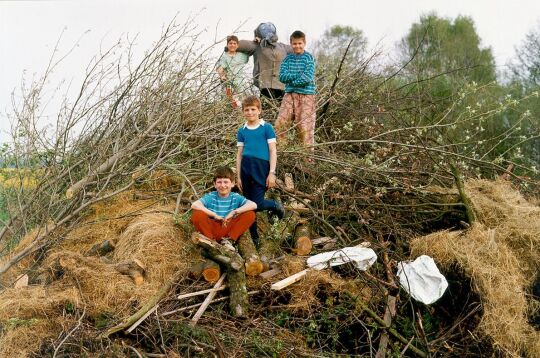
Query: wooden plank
point(289, 280)
point(271, 273)
point(207, 301)
point(198, 293)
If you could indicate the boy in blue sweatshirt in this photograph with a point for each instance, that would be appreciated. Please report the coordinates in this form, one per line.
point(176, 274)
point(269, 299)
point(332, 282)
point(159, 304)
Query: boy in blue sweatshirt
point(256, 160)
point(297, 72)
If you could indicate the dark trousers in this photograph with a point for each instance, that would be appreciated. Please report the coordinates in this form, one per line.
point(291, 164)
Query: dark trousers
point(253, 173)
point(271, 101)
point(272, 93)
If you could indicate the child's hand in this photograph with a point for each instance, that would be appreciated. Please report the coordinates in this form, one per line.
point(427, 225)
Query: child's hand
point(228, 218)
point(271, 181)
point(217, 217)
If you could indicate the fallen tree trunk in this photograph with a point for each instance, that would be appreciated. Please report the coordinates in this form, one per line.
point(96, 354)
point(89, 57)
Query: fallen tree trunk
point(236, 273)
point(219, 252)
point(248, 251)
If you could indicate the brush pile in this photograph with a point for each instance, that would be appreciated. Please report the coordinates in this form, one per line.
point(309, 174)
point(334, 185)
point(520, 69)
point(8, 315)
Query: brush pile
point(104, 228)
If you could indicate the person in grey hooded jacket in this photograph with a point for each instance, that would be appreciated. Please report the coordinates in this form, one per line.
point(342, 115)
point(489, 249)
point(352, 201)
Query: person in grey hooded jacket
point(267, 55)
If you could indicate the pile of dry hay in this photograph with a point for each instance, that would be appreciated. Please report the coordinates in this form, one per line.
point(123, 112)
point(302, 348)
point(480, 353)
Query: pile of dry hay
point(501, 255)
point(140, 229)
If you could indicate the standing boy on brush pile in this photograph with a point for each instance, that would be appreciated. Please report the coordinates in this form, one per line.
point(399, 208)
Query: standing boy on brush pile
point(297, 72)
point(256, 161)
point(221, 215)
point(230, 69)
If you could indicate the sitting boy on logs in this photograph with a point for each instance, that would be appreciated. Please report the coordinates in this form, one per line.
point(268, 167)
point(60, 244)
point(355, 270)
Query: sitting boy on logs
point(221, 214)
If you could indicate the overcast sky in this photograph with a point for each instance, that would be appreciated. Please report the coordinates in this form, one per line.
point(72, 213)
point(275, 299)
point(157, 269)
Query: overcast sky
point(30, 29)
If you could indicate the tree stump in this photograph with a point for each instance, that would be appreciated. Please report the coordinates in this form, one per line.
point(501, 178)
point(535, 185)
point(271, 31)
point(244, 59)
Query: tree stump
point(248, 251)
point(208, 270)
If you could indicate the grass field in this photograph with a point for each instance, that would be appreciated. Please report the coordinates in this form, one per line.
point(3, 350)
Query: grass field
point(14, 179)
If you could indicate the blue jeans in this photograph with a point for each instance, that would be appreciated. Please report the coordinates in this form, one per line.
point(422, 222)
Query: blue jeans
point(253, 174)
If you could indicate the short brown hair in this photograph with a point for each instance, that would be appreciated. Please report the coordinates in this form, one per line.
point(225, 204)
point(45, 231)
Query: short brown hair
point(223, 172)
point(297, 35)
point(232, 38)
point(251, 101)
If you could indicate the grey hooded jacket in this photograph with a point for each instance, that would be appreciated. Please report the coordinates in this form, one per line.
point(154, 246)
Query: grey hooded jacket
point(267, 58)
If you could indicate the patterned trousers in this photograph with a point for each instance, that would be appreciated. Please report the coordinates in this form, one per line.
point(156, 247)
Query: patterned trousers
point(298, 109)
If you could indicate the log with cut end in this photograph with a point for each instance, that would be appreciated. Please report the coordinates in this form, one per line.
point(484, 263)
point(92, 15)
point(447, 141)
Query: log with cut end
point(302, 240)
point(208, 270)
point(218, 252)
point(236, 273)
point(248, 251)
point(134, 269)
point(101, 249)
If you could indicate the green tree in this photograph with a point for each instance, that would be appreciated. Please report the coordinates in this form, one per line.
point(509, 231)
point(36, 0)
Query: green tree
point(333, 43)
point(439, 46)
point(525, 68)
point(330, 49)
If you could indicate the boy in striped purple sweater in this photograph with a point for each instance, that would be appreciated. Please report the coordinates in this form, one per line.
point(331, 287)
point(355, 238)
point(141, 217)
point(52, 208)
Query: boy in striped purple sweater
point(297, 72)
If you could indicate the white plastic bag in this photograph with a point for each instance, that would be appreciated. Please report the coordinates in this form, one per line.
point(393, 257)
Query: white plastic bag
point(361, 257)
point(422, 279)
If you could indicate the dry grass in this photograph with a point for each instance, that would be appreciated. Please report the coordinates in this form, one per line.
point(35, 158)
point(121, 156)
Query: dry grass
point(161, 246)
point(37, 301)
point(9, 277)
point(25, 341)
point(304, 294)
point(500, 255)
point(140, 230)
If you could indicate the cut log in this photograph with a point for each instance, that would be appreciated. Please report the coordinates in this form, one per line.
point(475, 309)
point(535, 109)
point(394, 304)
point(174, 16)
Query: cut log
point(236, 273)
point(208, 270)
point(101, 249)
point(134, 269)
point(248, 251)
point(302, 240)
point(218, 252)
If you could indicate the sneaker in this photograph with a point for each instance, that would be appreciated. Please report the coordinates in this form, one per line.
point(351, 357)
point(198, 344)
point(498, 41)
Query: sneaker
point(226, 242)
point(279, 211)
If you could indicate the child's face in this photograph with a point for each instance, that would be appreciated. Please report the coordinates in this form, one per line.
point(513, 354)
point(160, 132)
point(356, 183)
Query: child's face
point(298, 46)
point(232, 46)
point(251, 114)
point(223, 186)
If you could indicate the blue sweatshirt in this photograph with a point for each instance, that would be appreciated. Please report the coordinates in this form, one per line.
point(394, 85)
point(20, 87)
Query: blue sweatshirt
point(297, 72)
